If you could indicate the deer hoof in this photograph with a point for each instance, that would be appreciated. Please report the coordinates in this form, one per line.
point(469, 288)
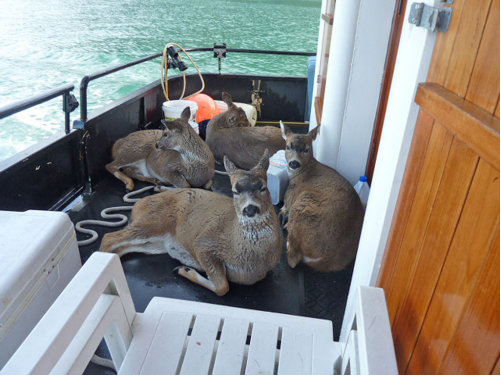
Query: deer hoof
point(284, 218)
point(181, 270)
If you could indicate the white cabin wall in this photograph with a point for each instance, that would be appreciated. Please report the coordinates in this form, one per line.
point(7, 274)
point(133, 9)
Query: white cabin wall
point(326, 146)
point(366, 79)
point(411, 67)
point(316, 82)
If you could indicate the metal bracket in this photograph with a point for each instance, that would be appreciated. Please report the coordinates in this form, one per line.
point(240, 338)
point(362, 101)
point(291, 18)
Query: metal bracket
point(219, 53)
point(430, 18)
point(70, 103)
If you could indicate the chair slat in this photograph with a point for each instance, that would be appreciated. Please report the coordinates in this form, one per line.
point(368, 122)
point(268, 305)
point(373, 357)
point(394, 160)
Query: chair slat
point(295, 352)
point(198, 355)
point(262, 349)
point(167, 345)
point(231, 349)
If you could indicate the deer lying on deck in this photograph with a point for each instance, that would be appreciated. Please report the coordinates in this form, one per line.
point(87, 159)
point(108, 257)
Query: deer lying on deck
point(230, 134)
point(324, 212)
point(175, 156)
point(237, 240)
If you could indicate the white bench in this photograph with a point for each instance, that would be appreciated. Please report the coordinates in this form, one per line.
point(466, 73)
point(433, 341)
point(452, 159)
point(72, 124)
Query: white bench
point(183, 337)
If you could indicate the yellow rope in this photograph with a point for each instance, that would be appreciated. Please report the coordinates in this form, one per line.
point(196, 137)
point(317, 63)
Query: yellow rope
point(164, 76)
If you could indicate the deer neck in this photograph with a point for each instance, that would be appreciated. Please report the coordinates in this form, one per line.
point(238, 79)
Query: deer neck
point(255, 230)
point(189, 151)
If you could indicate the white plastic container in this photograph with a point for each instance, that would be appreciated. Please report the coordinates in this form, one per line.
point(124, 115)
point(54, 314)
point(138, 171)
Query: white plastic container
point(363, 190)
point(249, 109)
point(278, 177)
point(173, 110)
point(221, 106)
point(39, 256)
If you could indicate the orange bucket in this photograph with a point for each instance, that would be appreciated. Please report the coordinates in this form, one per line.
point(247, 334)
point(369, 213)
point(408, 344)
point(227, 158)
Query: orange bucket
point(207, 108)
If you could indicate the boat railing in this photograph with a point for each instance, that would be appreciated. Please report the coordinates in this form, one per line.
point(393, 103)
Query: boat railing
point(84, 83)
point(70, 103)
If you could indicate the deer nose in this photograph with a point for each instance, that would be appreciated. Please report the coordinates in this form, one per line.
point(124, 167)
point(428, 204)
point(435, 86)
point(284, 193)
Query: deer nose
point(294, 164)
point(251, 210)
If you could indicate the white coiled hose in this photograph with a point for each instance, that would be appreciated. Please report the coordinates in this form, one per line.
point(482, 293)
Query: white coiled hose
point(106, 214)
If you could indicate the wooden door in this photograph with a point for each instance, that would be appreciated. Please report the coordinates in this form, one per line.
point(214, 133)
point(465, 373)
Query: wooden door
point(441, 267)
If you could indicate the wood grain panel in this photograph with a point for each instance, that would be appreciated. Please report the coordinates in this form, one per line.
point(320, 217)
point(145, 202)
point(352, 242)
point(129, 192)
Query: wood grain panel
point(486, 69)
point(444, 45)
point(496, 112)
point(472, 124)
point(495, 370)
point(427, 186)
point(413, 169)
point(445, 212)
point(466, 46)
point(474, 349)
point(466, 255)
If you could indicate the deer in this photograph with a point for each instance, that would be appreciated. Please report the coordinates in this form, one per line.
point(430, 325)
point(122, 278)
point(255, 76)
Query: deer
point(235, 239)
point(323, 211)
point(174, 156)
point(230, 134)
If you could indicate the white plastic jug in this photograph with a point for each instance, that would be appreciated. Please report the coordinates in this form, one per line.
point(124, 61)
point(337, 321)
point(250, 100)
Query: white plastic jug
point(174, 109)
point(362, 188)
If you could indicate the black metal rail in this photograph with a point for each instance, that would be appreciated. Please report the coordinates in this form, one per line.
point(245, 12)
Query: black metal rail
point(69, 103)
point(84, 83)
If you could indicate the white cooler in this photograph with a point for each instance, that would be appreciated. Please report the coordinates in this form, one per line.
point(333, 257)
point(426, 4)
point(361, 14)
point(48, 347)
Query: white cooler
point(38, 257)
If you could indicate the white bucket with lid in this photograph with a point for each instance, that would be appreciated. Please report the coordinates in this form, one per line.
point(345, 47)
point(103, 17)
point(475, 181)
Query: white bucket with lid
point(249, 109)
point(173, 110)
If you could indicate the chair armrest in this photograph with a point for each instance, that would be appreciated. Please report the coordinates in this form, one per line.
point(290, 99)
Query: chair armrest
point(65, 335)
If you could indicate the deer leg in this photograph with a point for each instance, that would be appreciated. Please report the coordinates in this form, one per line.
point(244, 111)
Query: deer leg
point(131, 239)
point(216, 273)
point(130, 171)
point(176, 179)
point(208, 185)
point(114, 169)
point(294, 255)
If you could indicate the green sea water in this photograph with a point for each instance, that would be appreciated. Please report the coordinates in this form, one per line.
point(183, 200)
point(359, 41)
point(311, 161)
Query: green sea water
point(47, 43)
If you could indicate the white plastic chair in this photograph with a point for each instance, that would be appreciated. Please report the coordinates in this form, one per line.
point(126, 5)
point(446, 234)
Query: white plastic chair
point(183, 337)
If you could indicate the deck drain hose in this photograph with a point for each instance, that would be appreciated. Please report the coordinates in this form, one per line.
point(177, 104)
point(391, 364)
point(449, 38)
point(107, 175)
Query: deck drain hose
point(106, 214)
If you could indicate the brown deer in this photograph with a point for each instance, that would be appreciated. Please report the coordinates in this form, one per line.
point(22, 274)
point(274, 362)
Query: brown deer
point(175, 156)
point(324, 212)
point(231, 239)
point(230, 134)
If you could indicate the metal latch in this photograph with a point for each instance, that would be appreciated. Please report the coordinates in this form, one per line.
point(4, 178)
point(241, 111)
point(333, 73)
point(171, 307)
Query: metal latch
point(430, 18)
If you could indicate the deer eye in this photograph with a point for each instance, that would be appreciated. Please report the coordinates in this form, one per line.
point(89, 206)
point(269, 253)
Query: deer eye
point(263, 189)
point(235, 193)
point(306, 150)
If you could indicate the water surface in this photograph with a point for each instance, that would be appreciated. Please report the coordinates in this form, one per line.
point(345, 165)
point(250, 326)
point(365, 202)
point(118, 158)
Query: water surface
point(47, 43)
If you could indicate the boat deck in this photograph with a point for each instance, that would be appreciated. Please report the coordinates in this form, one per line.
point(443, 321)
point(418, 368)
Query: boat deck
point(299, 291)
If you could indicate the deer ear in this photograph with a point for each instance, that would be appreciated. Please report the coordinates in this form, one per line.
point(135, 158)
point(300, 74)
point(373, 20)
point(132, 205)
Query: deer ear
point(285, 130)
point(227, 98)
point(229, 166)
point(264, 162)
point(314, 132)
point(168, 124)
point(185, 115)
